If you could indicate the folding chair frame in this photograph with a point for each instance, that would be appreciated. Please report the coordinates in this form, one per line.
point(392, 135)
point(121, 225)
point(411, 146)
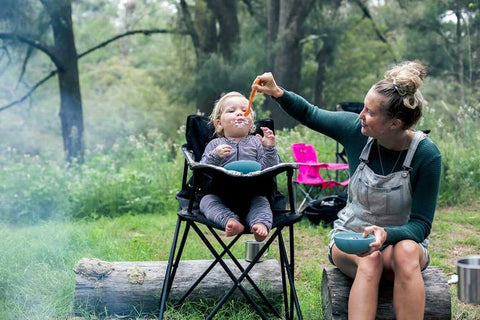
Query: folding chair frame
point(192, 220)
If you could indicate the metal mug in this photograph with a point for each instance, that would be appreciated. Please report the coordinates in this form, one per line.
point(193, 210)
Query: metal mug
point(468, 269)
point(253, 247)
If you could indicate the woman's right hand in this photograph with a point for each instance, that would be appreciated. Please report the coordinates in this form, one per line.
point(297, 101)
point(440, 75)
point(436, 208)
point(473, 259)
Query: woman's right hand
point(267, 85)
point(380, 236)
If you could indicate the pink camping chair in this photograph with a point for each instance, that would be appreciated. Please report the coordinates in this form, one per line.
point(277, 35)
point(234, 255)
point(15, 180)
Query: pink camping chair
point(309, 181)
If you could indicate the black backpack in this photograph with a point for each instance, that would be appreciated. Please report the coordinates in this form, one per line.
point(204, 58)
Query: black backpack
point(325, 209)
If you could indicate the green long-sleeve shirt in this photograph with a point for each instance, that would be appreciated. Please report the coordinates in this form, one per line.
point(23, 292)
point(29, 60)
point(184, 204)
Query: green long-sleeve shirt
point(345, 127)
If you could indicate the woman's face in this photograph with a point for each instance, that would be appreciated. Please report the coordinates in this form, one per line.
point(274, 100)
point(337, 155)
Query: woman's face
point(232, 120)
point(375, 123)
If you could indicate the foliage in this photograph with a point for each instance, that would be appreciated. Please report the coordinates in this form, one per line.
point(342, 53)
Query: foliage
point(138, 174)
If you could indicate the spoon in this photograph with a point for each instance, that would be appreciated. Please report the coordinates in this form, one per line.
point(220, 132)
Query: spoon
point(250, 100)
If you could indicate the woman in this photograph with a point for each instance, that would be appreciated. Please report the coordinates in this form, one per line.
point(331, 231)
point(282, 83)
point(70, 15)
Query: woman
point(393, 190)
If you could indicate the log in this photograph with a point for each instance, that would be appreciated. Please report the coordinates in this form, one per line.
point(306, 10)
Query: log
point(125, 287)
point(336, 289)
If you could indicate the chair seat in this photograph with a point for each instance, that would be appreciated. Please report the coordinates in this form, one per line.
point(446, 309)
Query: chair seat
point(281, 218)
point(315, 182)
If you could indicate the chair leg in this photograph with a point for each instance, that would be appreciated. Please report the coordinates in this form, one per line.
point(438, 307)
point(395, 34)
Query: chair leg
point(212, 265)
point(289, 269)
point(236, 281)
point(170, 272)
point(240, 267)
point(307, 195)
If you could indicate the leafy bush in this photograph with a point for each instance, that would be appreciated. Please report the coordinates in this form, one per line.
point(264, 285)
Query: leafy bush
point(139, 174)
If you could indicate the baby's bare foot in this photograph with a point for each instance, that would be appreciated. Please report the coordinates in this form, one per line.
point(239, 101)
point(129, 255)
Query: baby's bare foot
point(233, 228)
point(260, 231)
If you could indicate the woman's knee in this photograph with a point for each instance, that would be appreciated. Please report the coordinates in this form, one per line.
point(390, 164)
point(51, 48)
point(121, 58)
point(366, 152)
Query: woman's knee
point(371, 265)
point(406, 256)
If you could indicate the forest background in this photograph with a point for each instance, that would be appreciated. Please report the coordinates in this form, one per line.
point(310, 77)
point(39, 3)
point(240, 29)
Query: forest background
point(94, 93)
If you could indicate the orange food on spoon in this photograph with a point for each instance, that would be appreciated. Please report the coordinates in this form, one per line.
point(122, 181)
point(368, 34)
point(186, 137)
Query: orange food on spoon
point(250, 100)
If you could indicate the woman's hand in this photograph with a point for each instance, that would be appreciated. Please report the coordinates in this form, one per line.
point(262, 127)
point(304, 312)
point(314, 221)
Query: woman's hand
point(380, 236)
point(267, 85)
point(223, 150)
point(268, 138)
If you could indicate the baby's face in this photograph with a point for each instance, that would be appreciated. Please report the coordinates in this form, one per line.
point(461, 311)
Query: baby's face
point(233, 120)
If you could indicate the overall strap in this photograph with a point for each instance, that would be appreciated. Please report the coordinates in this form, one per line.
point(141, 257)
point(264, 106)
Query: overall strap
point(366, 150)
point(419, 136)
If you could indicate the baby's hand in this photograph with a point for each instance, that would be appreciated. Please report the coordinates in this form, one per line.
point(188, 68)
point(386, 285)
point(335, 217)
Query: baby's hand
point(223, 150)
point(268, 138)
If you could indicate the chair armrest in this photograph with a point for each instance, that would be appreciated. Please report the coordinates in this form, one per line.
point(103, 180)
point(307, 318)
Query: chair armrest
point(220, 172)
point(319, 165)
point(217, 171)
point(324, 165)
point(337, 166)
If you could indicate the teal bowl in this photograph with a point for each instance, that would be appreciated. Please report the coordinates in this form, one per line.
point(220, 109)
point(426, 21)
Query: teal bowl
point(244, 166)
point(353, 242)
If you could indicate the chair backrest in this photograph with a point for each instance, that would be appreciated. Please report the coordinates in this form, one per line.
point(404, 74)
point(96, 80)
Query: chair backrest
point(306, 153)
point(198, 133)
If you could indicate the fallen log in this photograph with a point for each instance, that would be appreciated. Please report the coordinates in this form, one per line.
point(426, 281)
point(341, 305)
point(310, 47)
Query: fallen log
point(130, 287)
point(336, 289)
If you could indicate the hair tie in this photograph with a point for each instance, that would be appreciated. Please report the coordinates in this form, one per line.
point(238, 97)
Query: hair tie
point(401, 91)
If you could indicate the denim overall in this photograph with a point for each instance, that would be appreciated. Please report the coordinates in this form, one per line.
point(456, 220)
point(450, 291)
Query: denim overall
point(375, 199)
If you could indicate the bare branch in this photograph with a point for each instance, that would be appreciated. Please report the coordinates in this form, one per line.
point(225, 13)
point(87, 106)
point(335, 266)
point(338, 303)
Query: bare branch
point(34, 43)
point(28, 54)
point(103, 44)
point(38, 84)
point(190, 27)
point(146, 32)
point(379, 34)
point(6, 53)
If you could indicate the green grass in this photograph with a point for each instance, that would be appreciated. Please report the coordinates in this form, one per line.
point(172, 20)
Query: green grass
point(37, 281)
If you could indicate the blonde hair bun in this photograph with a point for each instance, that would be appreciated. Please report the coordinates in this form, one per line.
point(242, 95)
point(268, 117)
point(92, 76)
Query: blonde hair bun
point(407, 78)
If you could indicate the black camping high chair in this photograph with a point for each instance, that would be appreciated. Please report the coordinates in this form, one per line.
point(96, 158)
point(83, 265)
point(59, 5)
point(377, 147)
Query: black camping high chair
point(195, 182)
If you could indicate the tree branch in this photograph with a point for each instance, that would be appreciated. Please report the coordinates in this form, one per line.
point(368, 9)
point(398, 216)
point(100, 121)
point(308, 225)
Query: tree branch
point(54, 72)
point(190, 27)
point(367, 14)
point(28, 54)
point(145, 32)
point(34, 43)
point(9, 58)
point(29, 93)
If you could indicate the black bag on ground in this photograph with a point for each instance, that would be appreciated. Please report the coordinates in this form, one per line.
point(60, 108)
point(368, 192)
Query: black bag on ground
point(325, 209)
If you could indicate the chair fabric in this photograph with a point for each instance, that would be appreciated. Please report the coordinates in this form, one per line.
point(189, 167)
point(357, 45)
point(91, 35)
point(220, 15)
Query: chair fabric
point(195, 183)
point(309, 180)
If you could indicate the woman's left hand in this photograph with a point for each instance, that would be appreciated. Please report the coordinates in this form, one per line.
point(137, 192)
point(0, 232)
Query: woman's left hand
point(380, 236)
point(268, 138)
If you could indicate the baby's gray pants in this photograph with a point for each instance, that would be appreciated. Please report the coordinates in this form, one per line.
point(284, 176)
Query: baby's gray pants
point(214, 209)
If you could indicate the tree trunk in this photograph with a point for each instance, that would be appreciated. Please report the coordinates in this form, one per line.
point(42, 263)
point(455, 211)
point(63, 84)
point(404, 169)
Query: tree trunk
point(71, 114)
point(213, 28)
point(125, 287)
point(459, 38)
point(288, 56)
point(225, 12)
point(336, 289)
